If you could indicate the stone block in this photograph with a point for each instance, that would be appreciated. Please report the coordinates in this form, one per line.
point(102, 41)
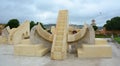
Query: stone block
point(94, 51)
point(17, 50)
point(42, 52)
point(100, 42)
point(3, 40)
point(26, 50)
point(25, 41)
point(30, 49)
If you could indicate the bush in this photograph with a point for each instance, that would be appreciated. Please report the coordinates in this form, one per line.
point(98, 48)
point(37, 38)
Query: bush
point(13, 23)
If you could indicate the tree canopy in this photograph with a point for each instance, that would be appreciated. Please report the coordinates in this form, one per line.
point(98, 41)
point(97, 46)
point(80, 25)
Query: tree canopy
point(113, 24)
point(95, 28)
point(42, 25)
point(32, 24)
point(13, 23)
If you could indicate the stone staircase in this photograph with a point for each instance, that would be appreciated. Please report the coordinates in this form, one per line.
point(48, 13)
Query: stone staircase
point(59, 46)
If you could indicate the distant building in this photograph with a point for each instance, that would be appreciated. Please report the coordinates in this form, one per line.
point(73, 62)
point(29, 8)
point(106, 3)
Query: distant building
point(106, 32)
point(75, 26)
point(93, 23)
point(48, 26)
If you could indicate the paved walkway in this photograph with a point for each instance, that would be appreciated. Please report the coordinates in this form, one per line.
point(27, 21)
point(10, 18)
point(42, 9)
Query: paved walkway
point(8, 59)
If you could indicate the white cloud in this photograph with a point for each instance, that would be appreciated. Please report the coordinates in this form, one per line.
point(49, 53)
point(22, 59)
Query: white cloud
point(80, 11)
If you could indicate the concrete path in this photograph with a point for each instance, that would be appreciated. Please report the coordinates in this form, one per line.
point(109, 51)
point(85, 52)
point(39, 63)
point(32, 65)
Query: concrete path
point(8, 59)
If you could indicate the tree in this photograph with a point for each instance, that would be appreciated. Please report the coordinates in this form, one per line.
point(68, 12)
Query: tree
point(95, 28)
point(32, 24)
point(113, 24)
point(13, 23)
point(42, 26)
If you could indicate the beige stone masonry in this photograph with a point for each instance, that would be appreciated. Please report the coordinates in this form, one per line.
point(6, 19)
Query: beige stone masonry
point(30, 50)
point(3, 40)
point(16, 35)
point(100, 50)
point(60, 41)
point(59, 46)
point(43, 33)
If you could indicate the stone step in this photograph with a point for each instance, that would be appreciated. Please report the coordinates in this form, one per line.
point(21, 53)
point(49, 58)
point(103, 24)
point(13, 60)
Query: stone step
point(59, 37)
point(56, 55)
point(42, 52)
point(26, 41)
point(58, 44)
point(57, 48)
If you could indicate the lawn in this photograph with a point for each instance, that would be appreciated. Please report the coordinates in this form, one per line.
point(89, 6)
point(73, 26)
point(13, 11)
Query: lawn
point(117, 39)
point(102, 36)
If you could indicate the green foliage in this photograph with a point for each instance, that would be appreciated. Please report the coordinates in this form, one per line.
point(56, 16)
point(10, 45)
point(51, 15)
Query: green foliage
point(102, 36)
point(32, 24)
point(95, 28)
point(42, 26)
point(117, 39)
point(113, 24)
point(13, 23)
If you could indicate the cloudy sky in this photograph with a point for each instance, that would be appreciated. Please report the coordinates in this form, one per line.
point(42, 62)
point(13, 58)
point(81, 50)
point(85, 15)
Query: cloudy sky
point(46, 11)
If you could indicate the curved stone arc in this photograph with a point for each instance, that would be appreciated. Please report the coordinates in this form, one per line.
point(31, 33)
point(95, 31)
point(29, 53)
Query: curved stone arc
point(71, 38)
point(12, 39)
point(43, 33)
point(79, 35)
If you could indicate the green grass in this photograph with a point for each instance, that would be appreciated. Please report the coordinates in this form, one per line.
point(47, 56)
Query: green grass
point(117, 39)
point(101, 36)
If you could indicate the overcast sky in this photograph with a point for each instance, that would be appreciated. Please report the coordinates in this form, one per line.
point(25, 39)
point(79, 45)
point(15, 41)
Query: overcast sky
point(46, 11)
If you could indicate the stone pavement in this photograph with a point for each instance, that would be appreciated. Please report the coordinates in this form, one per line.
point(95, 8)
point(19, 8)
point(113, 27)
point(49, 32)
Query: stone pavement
point(8, 59)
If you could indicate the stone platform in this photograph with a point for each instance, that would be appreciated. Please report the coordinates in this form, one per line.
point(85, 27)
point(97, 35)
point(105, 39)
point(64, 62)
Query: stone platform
point(100, 49)
point(30, 50)
point(7, 58)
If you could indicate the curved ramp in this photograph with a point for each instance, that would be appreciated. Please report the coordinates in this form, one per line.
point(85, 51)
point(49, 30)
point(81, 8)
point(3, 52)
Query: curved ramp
point(17, 34)
point(71, 38)
point(43, 33)
point(79, 35)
